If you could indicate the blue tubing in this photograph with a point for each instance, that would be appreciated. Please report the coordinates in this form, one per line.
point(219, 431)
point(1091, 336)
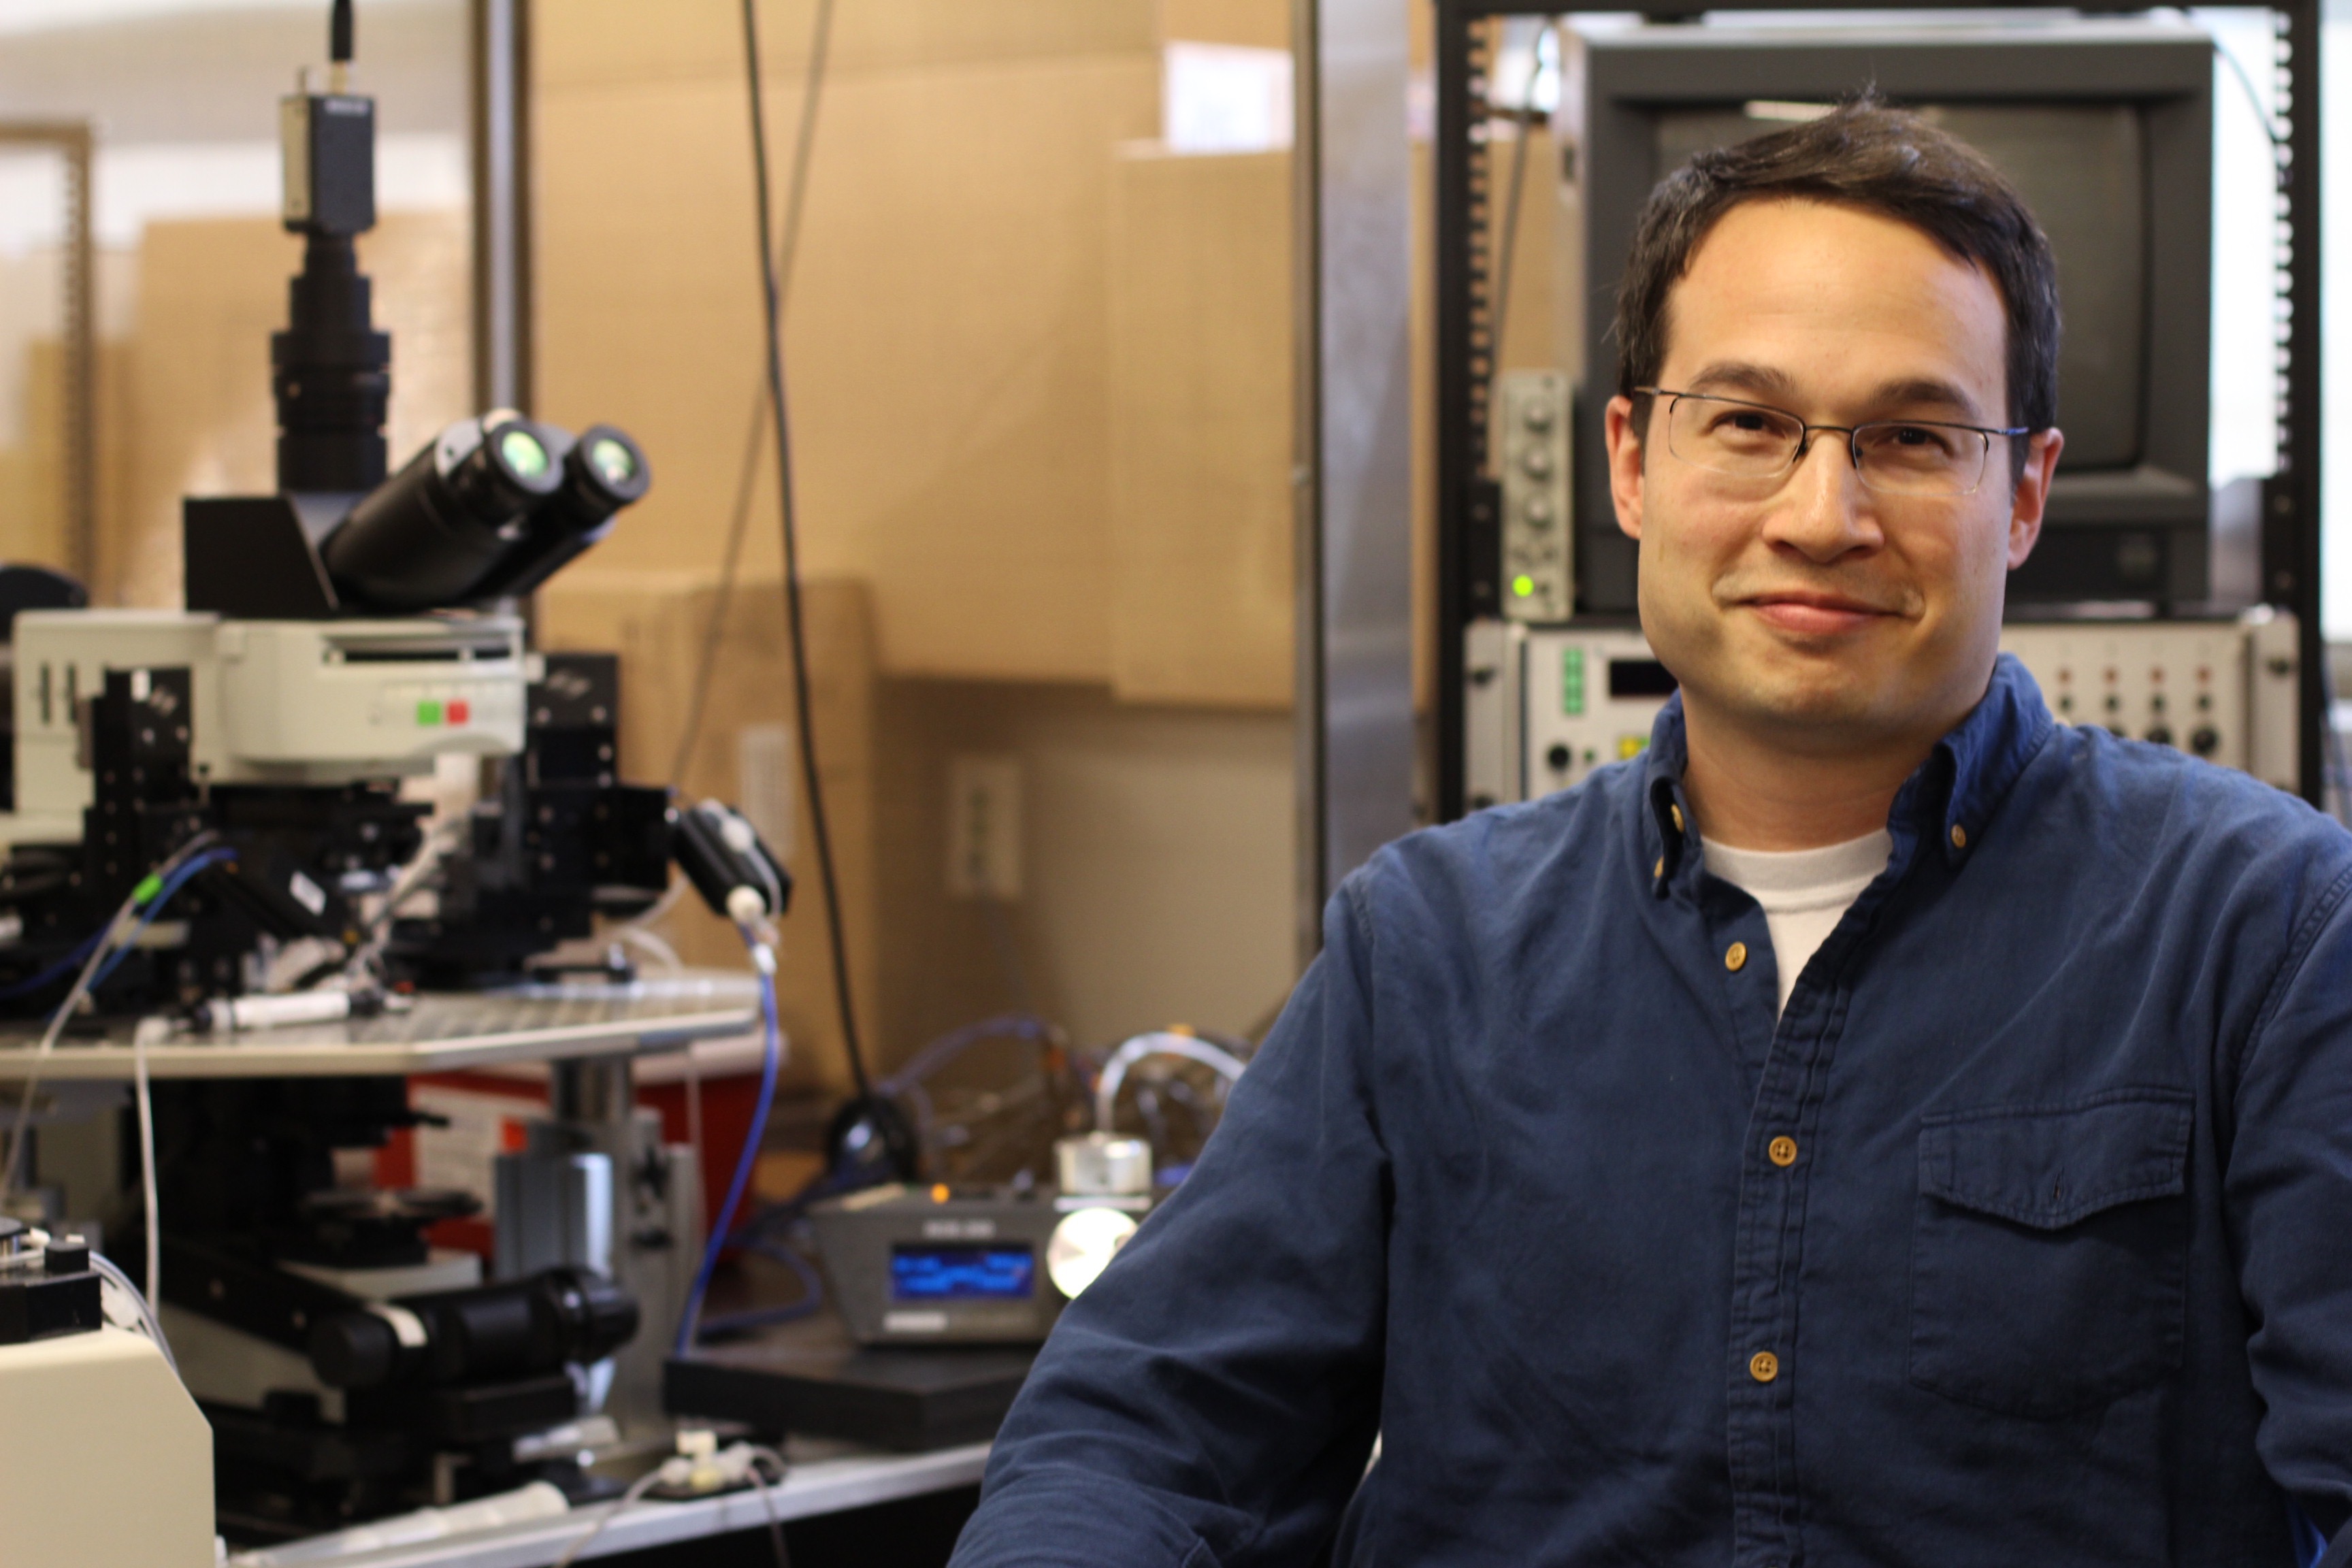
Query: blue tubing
point(723, 1224)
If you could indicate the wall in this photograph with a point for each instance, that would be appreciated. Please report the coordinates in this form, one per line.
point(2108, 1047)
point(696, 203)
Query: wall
point(1157, 854)
point(1202, 584)
point(196, 416)
point(947, 339)
point(1039, 375)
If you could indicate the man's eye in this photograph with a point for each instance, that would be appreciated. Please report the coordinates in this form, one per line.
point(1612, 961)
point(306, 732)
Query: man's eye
point(1923, 440)
point(1745, 421)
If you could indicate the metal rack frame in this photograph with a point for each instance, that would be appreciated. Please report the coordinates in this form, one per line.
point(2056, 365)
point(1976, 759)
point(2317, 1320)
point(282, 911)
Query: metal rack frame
point(1465, 357)
point(71, 140)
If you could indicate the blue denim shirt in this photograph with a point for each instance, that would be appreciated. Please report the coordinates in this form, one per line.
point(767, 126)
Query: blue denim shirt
point(2054, 1266)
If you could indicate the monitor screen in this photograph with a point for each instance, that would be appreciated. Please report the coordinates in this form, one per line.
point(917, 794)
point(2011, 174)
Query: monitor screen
point(2082, 168)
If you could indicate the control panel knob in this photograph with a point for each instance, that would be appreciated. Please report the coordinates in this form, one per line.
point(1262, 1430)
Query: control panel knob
point(1537, 415)
point(1536, 461)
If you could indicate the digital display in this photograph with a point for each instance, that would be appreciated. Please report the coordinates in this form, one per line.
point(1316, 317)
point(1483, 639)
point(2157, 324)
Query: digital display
point(962, 1274)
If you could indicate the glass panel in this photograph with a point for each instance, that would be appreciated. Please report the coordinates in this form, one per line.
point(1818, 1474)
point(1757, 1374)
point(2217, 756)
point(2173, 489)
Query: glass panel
point(1039, 354)
point(191, 264)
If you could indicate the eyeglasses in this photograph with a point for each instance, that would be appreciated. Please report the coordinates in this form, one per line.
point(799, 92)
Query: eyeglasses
point(1893, 457)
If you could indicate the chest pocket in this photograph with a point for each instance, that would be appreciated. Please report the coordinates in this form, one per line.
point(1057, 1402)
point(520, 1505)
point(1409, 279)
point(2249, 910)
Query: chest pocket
point(2049, 1250)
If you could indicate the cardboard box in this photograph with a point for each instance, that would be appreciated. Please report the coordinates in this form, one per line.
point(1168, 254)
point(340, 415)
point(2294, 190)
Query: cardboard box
point(580, 43)
point(947, 347)
point(1202, 366)
point(659, 625)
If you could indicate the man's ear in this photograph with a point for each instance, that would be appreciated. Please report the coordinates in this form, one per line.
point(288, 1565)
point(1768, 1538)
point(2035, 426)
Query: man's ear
point(1624, 464)
point(2032, 493)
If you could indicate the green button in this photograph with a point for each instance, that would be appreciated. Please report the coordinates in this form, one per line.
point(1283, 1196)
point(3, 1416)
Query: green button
point(1571, 680)
point(428, 712)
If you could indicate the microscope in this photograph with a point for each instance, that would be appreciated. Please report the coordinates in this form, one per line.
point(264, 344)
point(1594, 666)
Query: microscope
point(232, 772)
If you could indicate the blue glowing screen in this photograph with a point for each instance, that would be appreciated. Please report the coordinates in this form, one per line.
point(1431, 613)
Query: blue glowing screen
point(962, 1274)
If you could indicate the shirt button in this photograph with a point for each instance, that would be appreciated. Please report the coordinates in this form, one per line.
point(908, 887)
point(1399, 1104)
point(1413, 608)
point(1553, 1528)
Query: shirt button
point(1734, 957)
point(1959, 837)
point(1676, 813)
point(1763, 1366)
point(1782, 1150)
point(1660, 869)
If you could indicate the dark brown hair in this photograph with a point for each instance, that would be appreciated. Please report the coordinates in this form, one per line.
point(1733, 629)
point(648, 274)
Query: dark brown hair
point(1861, 154)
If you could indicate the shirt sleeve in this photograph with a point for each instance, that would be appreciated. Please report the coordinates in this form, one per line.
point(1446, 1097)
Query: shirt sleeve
point(2288, 1194)
point(1211, 1400)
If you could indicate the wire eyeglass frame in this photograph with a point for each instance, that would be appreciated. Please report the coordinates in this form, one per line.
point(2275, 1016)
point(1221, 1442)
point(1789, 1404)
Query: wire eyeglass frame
point(1853, 435)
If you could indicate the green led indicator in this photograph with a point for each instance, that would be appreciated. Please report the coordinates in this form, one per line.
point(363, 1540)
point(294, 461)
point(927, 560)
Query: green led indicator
point(1523, 585)
point(1571, 681)
point(149, 886)
point(428, 712)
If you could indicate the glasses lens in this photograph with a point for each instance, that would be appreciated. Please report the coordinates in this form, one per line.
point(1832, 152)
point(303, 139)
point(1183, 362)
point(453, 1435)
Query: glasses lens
point(1733, 438)
point(613, 460)
point(1920, 459)
point(523, 453)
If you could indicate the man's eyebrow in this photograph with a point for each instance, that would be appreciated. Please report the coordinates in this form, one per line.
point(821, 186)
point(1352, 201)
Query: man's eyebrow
point(1912, 392)
point(1739, 375)
point(1770, 383)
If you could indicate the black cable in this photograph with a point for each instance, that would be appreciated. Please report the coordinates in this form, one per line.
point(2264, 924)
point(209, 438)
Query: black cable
point(772, 302)
point(738, 526)
point(2253, 99)
point(739, 520)
point(339, 33)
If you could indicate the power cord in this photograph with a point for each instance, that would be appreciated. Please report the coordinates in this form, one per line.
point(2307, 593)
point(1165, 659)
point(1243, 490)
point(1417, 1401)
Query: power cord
point(771, 304)
point(2269, 129)
point(153, 892)
point(738, 517)
point(700, 1468)
point(142, 1034)
point(149, 1323)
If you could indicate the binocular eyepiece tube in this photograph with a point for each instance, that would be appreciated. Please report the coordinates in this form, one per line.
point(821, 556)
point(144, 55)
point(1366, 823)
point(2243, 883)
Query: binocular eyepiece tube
point(492, 507)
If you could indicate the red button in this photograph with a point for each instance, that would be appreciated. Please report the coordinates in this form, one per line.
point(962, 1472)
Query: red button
point(458, 711)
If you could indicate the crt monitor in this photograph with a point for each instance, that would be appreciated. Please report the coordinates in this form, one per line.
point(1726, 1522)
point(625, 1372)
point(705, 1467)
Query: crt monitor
point(2106, 126)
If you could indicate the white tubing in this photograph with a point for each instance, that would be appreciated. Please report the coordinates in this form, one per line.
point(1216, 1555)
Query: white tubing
point(1158, 1043)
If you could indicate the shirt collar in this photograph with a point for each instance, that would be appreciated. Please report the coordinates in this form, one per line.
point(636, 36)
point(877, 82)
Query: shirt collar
point(1951, 795)
point(1974, 766)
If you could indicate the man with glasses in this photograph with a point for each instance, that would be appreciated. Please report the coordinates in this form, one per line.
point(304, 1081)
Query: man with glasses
point(1879, 1125)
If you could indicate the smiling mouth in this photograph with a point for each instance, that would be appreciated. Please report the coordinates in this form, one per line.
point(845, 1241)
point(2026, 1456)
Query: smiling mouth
point(1814, 615)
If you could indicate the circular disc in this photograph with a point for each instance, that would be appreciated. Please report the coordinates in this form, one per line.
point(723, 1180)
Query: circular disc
point(1082, 1246)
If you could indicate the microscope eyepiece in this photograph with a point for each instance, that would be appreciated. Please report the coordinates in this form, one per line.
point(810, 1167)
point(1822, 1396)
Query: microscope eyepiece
point(604, 471)
point(427, 537)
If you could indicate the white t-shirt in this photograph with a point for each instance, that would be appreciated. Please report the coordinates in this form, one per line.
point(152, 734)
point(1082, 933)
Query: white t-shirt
point(1804, 892)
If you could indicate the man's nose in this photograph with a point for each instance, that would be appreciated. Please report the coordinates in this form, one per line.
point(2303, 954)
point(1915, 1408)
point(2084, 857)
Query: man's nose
point(1824, 509)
